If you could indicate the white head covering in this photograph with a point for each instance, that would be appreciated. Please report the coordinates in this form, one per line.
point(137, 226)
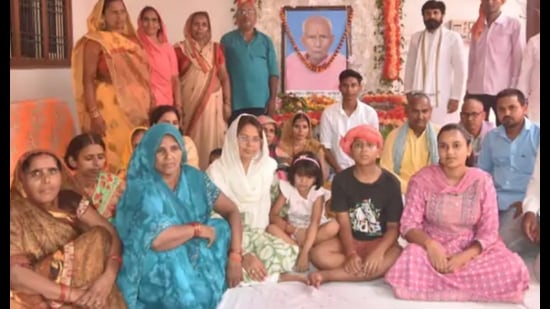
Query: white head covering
point(250, 190)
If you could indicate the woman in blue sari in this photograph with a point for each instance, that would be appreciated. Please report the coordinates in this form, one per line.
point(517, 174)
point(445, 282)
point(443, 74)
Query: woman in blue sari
point(175, 255)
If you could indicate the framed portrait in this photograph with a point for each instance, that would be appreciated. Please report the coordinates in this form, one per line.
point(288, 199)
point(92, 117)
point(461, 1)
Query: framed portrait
point(316, 44)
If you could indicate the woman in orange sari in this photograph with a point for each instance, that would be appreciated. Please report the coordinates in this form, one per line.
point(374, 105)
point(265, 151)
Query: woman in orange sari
point(296, 137)
point(111, 78)
point(204, 85)
point(63, 254)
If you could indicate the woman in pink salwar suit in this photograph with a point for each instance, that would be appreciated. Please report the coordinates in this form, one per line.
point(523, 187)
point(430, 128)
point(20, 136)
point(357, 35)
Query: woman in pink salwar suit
point(450, 220)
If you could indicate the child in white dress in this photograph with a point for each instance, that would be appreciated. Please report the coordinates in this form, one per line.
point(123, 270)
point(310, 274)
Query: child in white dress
point(305, 223)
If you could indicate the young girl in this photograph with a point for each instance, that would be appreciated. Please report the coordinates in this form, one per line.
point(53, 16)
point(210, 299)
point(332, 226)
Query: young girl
point(368, 205)
point(306, 223)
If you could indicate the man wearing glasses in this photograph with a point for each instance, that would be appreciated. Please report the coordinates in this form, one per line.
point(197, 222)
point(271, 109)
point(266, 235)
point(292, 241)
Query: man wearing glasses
point(472, 117)
point(252, 65)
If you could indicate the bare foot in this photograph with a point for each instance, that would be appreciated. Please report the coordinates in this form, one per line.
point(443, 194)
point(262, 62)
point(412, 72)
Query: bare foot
point(315, 279)
point(293, 277)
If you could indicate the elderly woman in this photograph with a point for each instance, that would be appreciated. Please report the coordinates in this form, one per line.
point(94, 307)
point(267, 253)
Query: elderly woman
point(204, 85)
point(297, 136)
point(111, 78)
point(245, 173)
point(62, 252)
point(175, 255)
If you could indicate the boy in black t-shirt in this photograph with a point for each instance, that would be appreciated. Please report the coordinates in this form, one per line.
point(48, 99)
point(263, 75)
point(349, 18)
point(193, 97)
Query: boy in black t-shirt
point(368, 205)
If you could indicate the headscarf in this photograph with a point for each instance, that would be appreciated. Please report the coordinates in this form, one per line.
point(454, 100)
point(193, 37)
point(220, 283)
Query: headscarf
point(191, 47)
point(250, 190)
point(19, 198)
point(96, 23)
point(148, 207)
point(286, 142)
point(127, 154)
point(364, 132)
point(264, 119)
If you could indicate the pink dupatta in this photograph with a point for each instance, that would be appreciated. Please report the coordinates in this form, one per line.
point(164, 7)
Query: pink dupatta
point(162, 59)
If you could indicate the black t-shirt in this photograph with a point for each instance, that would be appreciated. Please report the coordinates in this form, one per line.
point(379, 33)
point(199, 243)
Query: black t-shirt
point(370, 206)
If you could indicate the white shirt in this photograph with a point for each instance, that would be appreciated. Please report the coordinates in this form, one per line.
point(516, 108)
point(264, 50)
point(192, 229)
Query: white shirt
point(529, 77)
point(531, 202)
point(335, 123)
point(300, 208)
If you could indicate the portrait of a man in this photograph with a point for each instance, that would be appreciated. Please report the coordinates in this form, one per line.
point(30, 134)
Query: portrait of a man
point(315, 49)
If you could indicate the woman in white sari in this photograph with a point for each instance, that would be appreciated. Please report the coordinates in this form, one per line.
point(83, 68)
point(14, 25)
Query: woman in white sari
point(204, 85)
point(245, 173)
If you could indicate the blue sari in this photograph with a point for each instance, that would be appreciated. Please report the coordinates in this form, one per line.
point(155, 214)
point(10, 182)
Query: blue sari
point(189, 276)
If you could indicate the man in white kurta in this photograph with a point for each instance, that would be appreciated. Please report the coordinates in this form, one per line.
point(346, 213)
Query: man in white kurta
point(436, 64)
point(529, 77)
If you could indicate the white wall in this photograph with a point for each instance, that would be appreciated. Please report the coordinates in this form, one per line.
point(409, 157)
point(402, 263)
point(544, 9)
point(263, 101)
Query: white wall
point(40, 83)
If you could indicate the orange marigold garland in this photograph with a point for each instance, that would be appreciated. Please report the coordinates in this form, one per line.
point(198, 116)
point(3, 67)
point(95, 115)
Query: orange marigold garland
point(304, 60)
point(392, 39)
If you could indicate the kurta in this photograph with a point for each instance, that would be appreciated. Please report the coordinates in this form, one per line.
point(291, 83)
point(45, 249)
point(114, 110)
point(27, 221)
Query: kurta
point(456, 216)
point(443, 49)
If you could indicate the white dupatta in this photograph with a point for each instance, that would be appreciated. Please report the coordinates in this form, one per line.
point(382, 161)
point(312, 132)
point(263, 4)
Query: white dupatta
point(250, 191)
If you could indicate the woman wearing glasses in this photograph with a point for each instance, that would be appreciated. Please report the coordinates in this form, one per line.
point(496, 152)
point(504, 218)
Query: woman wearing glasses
point(245, 173)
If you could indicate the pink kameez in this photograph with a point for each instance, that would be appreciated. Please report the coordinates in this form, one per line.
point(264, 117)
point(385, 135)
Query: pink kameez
point(456, 216)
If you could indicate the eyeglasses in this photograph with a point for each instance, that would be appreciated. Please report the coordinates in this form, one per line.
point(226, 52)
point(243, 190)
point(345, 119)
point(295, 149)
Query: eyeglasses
point(472, 114)
point(248, 12)
point(249, 139)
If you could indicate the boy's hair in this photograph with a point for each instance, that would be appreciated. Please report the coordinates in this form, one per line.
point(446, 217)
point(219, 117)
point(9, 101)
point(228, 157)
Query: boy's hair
point(305, 163)
point(350, 73)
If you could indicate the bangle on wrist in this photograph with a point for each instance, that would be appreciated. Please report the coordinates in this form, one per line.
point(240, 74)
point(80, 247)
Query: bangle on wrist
point(235, 257)
point(352, 253)
point(115, 257)
point(196, 229)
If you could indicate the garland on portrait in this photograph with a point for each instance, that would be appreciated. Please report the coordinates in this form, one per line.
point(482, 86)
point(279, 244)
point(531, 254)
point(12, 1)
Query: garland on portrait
point(344, 39)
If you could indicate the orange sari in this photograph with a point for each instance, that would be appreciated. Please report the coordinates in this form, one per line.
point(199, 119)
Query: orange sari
point(54, 243)
point(124, 100)
point(201, 93)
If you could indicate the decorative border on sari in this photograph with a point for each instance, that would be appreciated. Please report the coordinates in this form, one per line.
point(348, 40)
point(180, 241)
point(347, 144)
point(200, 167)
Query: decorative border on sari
point(205, 97)
point(66, 275)
point(82, 207)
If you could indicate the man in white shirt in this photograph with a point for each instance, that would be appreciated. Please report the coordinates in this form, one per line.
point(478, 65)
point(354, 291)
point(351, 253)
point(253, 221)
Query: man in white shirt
point(436, 64)
point(531, 212)
point(529, 77)
point(340, 117)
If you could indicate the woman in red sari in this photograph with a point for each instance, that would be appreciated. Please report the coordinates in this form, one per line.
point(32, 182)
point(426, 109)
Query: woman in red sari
point(204, 84)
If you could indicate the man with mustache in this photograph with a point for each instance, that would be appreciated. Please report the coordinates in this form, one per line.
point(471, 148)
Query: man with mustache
point(508, 153)
point(436, 64)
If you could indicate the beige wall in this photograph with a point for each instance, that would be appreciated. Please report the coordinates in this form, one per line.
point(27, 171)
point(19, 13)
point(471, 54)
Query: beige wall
point(39, 83)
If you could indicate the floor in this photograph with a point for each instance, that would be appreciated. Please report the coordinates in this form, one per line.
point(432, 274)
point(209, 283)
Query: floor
point(350, 296)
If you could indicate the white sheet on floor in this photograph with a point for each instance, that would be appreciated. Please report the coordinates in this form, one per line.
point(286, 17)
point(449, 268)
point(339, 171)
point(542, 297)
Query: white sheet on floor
point(347, 295)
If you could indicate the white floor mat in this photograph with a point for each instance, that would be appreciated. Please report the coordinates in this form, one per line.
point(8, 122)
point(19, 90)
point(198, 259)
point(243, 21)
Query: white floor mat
point(344, 295)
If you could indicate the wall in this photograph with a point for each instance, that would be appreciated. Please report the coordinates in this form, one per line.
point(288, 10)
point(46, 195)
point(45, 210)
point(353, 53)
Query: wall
point(29, 84)
point(39, 83)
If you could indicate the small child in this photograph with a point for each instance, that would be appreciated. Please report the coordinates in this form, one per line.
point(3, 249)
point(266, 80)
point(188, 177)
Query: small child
point(306, 223)
point(214, 155)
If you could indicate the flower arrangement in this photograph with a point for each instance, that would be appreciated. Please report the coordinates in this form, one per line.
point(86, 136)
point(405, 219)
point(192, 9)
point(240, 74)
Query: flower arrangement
point(291, 103)
point(390, 109)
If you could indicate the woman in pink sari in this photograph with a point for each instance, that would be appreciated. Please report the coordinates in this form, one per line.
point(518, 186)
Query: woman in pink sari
point(164, 71)
point(204, 84)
